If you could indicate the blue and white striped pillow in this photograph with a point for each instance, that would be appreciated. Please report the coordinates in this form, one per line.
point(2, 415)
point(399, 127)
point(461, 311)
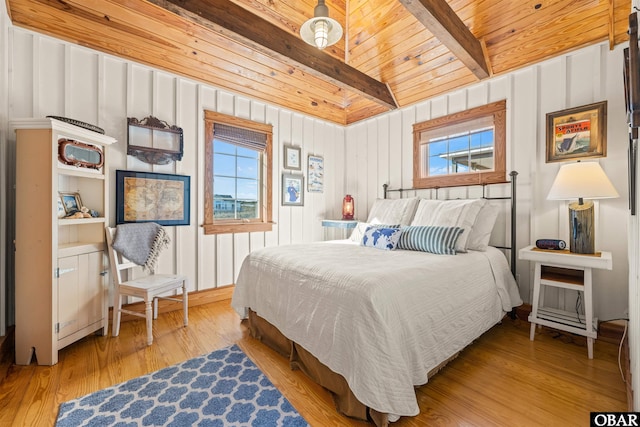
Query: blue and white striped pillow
point(430, 238)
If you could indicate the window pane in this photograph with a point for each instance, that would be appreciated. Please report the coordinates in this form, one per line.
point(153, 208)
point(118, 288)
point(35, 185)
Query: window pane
point(224, 195)
point(223, 147)
point(471, 151)
point(247, 152)
point(248, 202)
point(247, 168)
point(438, 158)
point(224, 165)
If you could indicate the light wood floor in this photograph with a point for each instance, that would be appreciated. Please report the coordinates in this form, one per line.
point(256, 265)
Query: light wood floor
point(501, 380)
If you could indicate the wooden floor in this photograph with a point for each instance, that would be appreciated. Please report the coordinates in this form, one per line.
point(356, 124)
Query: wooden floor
point(501, 380)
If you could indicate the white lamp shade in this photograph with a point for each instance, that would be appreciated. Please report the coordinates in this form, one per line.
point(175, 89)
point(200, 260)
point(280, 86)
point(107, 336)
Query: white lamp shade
point(584, 180)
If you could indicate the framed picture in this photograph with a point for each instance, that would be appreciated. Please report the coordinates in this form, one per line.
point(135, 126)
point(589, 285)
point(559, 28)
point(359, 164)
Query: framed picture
point(292, 158)
point(152, 197)
point(71, 203)
point(61, 212)
point(292, 190)
point(577, 133)
point(315, 174)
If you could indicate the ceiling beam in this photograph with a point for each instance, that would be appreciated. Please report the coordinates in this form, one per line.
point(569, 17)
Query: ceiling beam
point(438, 17)
point(240, 25)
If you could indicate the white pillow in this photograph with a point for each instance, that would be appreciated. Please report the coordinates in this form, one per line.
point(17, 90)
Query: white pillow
point(392, 211)
point(481, 231)
point(450, 213)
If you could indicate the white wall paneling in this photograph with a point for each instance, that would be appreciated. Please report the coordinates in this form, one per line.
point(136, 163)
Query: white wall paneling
point(589, 75)
point(51, 77)
point(44, 76)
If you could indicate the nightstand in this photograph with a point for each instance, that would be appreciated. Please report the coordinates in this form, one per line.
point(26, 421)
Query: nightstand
point(343, 224)
point(563, 269)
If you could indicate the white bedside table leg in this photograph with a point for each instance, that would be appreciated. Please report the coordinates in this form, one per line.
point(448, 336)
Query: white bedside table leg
point(536, 301)
point(588, 310)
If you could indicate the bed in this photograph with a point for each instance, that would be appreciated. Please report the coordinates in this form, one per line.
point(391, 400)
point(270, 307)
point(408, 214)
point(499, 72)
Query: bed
point(370, 324)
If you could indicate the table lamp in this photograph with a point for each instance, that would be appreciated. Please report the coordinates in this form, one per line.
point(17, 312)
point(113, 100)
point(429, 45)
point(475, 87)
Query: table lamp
point(581, 180)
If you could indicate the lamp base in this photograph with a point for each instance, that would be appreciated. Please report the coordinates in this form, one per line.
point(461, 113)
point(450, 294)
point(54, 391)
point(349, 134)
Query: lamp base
point(581, 228)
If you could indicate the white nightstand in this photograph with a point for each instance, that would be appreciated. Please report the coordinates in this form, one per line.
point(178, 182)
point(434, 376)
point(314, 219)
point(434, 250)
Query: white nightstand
point(563, 269)
point(344, 224)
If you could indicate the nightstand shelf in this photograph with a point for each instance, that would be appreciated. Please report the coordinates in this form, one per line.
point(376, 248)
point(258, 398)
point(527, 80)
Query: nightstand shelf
point(565, 270)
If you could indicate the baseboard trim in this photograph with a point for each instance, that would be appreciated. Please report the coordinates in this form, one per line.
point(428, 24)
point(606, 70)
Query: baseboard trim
point(196, 298)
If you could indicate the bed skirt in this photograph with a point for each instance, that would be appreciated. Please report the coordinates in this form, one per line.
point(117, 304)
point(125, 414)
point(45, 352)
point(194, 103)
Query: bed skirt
point(299, 358)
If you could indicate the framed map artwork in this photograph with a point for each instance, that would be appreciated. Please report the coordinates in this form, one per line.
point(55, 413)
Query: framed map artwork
point(152, 197)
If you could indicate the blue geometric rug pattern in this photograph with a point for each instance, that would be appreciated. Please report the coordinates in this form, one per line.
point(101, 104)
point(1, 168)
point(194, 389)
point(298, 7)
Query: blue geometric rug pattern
point(221, 389)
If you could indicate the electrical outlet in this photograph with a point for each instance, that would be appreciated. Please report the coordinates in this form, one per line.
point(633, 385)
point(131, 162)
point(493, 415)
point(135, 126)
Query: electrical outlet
point(625, 313)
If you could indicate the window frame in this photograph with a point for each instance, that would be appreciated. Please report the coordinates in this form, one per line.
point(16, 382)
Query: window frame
point(496, 110)
point(264, 223)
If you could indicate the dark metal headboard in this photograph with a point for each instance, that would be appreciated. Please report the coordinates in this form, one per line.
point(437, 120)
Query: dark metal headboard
point(512, 197)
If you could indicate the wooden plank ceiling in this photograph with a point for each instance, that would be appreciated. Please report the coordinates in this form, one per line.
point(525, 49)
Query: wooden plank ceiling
point(393, 52)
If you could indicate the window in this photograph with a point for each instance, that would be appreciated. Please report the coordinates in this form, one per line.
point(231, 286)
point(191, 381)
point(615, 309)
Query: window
point(461, 149)
point(238, 175)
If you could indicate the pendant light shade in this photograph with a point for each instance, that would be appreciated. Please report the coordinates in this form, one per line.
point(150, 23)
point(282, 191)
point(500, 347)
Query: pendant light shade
point(321, 31)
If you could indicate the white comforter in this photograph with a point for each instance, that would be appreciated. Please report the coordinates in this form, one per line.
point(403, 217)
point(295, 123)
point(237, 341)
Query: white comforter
point(382, 319)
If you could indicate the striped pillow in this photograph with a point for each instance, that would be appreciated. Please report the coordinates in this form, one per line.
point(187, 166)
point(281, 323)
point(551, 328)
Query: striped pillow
point(430, 238)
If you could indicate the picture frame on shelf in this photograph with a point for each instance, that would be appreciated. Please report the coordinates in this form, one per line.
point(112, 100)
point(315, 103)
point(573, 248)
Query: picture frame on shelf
point(61, 211)
point(292, 190)
point(315, 174)
point(577, 133)
point(291, 158)
point(71, 202)
point(152, 197)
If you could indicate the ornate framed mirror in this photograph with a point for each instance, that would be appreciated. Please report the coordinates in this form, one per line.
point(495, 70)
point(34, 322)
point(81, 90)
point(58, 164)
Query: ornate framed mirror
point(154, 141)
point(79, 154)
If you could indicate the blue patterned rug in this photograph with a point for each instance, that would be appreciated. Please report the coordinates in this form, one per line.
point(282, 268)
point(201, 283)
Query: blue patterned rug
point(224, 388)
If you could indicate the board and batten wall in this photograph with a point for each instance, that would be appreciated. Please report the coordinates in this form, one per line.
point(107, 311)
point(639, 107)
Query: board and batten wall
point(51, 77)
point(380, 151)
point(42, 76)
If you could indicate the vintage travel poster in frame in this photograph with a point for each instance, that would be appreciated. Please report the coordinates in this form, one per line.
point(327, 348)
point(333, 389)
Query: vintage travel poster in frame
point(577, 133)
point(315, 174)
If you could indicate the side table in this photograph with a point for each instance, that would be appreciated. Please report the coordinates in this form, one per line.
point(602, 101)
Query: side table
point(567, 270)
point(344, 224)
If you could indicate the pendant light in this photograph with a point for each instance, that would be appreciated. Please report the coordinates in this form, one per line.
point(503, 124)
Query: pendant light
point(321, 31)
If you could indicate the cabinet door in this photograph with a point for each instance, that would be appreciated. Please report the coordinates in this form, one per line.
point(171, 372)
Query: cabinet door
point(91, 288)
point(68, 297)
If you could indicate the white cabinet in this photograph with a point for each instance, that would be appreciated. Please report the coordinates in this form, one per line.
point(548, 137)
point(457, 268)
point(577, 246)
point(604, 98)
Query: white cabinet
point(60, 267)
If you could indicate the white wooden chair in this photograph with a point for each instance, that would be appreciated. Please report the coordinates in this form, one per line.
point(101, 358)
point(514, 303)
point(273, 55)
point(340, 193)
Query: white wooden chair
point(148, 288)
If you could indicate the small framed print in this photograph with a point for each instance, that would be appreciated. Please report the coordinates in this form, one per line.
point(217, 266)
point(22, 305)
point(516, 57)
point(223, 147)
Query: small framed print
point(315, 174)
point(70, 202)
point(292, 190)
point(292, 157)
point(577, 133)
